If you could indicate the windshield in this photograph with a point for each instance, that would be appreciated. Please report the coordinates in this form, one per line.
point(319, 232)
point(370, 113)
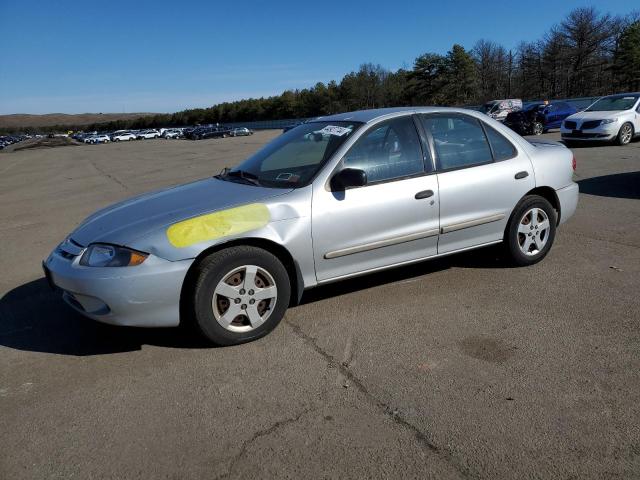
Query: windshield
point(293, 159)
point(613, 103)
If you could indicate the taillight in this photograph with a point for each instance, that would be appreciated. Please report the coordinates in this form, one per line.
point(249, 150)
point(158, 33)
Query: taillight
point(574, 164)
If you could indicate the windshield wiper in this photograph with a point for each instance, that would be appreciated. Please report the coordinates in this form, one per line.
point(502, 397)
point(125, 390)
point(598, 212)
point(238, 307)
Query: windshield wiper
point(248, 177)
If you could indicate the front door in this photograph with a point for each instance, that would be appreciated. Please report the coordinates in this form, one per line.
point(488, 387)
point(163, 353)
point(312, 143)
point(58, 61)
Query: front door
point(390, 220)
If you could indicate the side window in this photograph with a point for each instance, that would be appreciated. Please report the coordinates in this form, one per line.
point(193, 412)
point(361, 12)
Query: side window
point(389, 150)
point(459, 141)
point(502, 148)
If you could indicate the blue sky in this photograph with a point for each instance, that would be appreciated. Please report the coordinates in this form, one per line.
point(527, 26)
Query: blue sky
point(164, 56)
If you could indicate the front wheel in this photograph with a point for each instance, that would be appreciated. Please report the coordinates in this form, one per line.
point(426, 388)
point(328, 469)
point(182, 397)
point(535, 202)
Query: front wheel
point(531, 230)
point(537, 128)
point(625, 134)
point(239, 294)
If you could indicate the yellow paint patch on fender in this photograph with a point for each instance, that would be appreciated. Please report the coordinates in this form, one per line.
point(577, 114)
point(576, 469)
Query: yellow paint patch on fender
point(217, 225)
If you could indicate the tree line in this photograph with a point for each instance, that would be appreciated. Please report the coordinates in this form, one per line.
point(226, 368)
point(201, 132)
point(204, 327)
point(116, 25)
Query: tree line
point(589, 53)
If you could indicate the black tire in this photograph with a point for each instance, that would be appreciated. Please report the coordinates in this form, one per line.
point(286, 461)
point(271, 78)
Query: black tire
point(513, 238)
point(211, 271)
point(623, 138)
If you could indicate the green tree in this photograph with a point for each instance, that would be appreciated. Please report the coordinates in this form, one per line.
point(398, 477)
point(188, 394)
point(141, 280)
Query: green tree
point(626, 60)
point(427, 79)
point(461, 77)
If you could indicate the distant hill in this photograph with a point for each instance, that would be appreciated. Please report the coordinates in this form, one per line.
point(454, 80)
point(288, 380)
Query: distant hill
point(20, 120)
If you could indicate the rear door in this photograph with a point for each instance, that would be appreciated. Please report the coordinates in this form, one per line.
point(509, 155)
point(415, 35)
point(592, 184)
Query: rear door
point(481, 177)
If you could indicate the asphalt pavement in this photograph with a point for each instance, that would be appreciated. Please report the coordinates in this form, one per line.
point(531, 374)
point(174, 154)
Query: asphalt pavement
point(454, 368)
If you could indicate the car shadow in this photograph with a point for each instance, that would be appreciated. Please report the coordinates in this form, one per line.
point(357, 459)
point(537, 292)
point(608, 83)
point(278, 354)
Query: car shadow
point(35, 318)
point(617, 185)
point(592, 143)
point(489, 257)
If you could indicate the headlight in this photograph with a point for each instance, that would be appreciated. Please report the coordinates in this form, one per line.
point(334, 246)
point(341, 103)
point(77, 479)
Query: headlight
point(608, 120)
point(101, 255)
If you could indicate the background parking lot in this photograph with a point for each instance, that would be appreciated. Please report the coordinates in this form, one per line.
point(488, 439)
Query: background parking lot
point(455, 368)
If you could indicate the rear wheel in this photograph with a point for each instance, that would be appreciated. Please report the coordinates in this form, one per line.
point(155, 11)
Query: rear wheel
point(625, 134)
point(531, 230)
point(240, 294)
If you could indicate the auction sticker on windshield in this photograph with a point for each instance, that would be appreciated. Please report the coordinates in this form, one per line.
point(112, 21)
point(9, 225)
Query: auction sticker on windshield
point(334, 130)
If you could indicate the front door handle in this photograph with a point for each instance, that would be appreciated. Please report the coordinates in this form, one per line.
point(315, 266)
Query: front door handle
point(520, 175)
point(424, 194)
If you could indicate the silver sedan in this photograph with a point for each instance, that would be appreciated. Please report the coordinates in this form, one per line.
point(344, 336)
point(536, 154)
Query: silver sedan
point(333, 198)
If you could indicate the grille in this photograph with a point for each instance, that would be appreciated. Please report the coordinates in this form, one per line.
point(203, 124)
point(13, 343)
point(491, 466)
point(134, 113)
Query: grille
point(591, 124)
point(570, 124)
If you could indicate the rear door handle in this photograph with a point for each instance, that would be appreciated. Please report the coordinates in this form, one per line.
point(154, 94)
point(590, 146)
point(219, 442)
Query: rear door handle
point(520, 175)
point(424, 194)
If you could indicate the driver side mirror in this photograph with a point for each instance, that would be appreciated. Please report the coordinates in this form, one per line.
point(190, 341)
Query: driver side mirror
point(347, 178)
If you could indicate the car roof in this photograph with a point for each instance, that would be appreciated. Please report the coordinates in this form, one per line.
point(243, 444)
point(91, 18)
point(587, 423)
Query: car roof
point(368, 116)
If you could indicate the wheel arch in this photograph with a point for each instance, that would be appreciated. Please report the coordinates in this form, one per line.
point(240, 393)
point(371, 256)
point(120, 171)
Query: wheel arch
point(295, 275)
point(550, 195)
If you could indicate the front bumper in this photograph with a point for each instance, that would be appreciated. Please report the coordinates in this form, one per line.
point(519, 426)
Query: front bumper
point(147, 295)
point(568, 198)
point(601, 133)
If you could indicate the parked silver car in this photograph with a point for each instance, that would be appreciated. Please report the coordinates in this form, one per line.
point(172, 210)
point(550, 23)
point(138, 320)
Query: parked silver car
point(337, 197)
point(240, 132)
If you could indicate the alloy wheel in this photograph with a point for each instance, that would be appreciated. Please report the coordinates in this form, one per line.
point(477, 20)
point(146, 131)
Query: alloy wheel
point(537, 128)
point(533, 231)
point(625, 134)
point(244, 298)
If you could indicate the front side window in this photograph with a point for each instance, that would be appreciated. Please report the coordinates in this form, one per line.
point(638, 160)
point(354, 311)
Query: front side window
point(293, 158)
point(459, 141)
point(388, 151)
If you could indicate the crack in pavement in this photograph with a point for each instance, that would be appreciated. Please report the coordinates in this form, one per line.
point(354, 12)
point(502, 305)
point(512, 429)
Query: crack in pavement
point(259, 434)
point(109, 176)
point(424, 438)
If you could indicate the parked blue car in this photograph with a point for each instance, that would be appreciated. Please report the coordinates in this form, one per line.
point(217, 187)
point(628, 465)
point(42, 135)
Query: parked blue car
point(537, 118)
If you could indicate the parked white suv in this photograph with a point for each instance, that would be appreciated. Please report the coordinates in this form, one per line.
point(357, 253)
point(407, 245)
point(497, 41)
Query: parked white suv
point(170, 133)
point(148, 134)
point(123, 136)
point(613, 118)
point(98, 139)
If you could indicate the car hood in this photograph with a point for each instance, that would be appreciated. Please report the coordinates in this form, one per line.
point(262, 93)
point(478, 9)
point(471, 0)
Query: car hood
point(123, 222)
point(595, 115)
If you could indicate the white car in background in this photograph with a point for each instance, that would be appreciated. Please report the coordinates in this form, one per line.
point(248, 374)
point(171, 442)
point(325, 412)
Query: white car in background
point(499, 109)
point(170, 133)
point(240, 132)
point(98, 139)
point(123, 137)
point(613, 118)
point(144, 134)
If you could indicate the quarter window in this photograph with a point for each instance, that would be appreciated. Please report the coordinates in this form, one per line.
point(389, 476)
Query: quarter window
point(502, 148)
point(389, 150)
point(459, 141)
